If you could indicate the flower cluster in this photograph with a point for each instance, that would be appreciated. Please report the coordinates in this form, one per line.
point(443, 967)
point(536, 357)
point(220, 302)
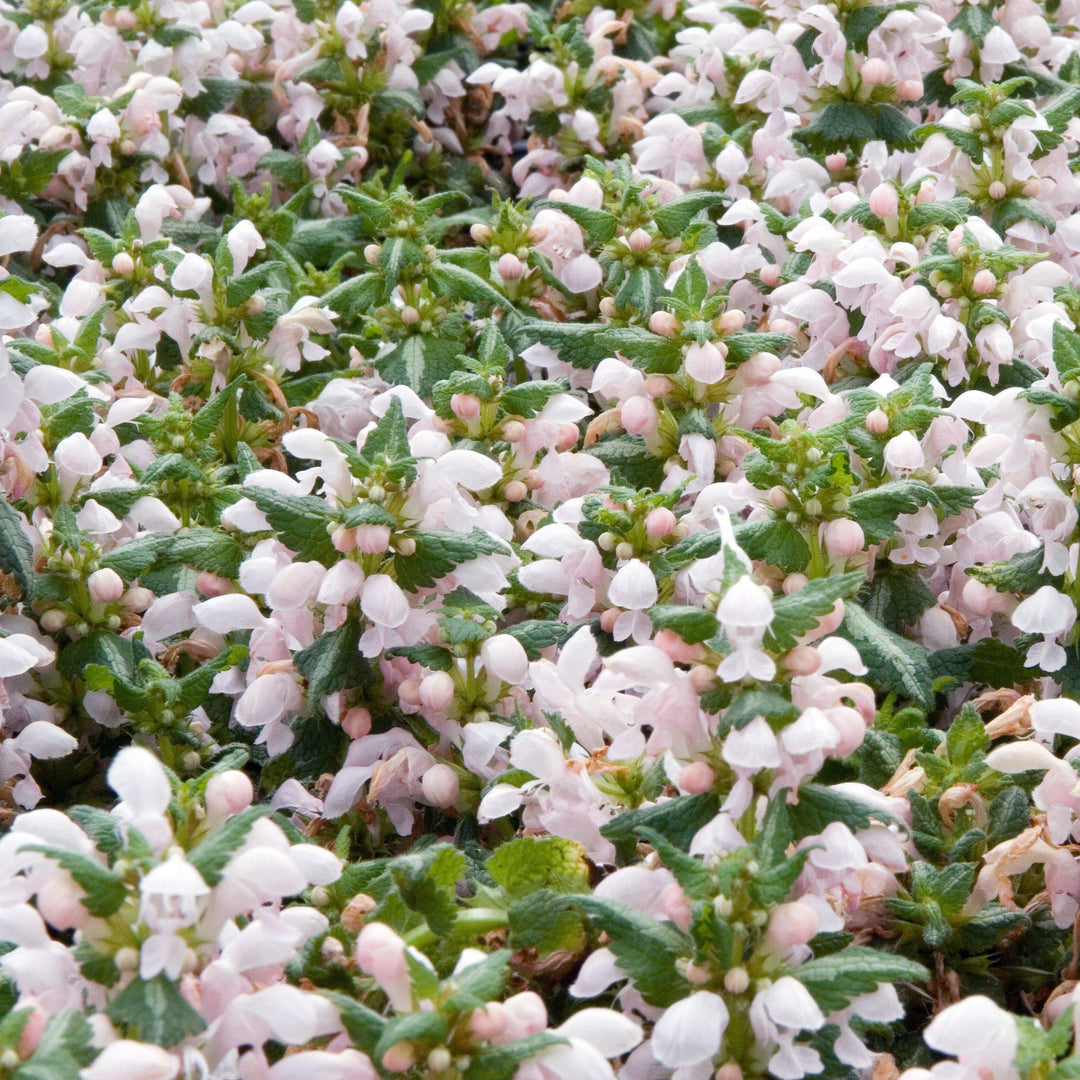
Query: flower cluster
point(539, 542)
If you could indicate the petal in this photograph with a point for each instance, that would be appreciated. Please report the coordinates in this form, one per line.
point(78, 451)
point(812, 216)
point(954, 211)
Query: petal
point(690, 1030)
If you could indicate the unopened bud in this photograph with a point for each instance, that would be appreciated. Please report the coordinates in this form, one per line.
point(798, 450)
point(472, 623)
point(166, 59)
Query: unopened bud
point(843, 538)
point(123, 263)
point(877, 421)
point(440, 786)
point(515, 490)
point(480, 233)
point(510, 267)
point(372, 539)
point(639, 240)
point(228, 793)
point(356, 722)
point(355, 912)
point(660, 522)
point(697, 777)
point(996, 190)
point(665, 323)
point(884, 201)
point(836, 162)
point(437, 691)
point(106, 586)
point(909, 90)
point(874, 72)
point(371, 254)
point(984, 282)
point(736, 980)
point(465, 406)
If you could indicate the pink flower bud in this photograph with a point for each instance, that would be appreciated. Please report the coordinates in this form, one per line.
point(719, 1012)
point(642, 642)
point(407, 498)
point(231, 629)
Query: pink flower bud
point(639, 240)
point(399, 1058)
point(437, 691)
point(956, 240)
point(778, 498)
point(515, 490)
point(660, 522)
point(702, 677)
point(608, 619)
point(827, 623)
point(665, 323)
point(123, 263)
point(730, 1070)
point(505, 657)
point(440, 786)
point(372, 539)
point(343, 539)
point(697, 975)
point(996, 190)
point(54, 620)
point(927, 193)
point(526, 1014)
point(794, 582)
point(697, 777)
point(137, 599)
point(984, 282)
point(513, 431)
point(843, 538)
point(106, 586)
point(657, 386)
point(228, 793)
point(481, 234)
point(676, 906)
point(638, 415)
point(371, 254)
point(732, 320)
point(836, 162)
point(381, 954)
point(510, 267)
point(874, 72)
point(803, 660)
point(677, 650)
point(792, 924)
point(909, 90)
point(877, 421)
point(409, 692)
point(59, 902)
point(356, 723)
point(33, 1027)
point(568, 437)
point(1032, 188)
point(465, 406)
point(212, 584)
point(770, 275)
point(409, 315)
point(760, 368)
point(884, 201)
point(851, 728)
point(488, 1022)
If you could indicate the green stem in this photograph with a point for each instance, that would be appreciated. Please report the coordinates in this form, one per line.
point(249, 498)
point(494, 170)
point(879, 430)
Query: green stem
point(471, 922)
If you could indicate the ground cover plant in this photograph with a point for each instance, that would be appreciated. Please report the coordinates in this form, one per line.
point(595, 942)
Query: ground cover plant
point(539, 541)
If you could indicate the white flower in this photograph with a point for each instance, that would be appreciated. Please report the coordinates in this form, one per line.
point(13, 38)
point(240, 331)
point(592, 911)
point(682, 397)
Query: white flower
point(691, 1030)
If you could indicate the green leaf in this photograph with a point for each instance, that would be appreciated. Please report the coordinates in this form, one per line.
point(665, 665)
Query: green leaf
point(646, 950)
point(794, 615)
point(408, 1027)
point(1022, 573)
point(332, 662)
point(691, 873)
point(456, 281)
point(211, 855)
point(299, 521)
point(966, 736)
point(819, 806)
point(751, 704)
point(105, 892)
point(208, 418)
point(692, 624)
point(100, 826)
point(419, 362)
point(835, 980)
point(894, 663)
point(975, 21)
point(66, 1045)
point(523, 866)
point(438, 551)
point(154, 1011)
point(499, 1062)
point(673, 218)
point(16, 552)
point(1009, 815)
point(547, 922)
point(897, 596)
point(479, 983)
point(363, 1025)
point(208, 549)
point(678, 819)
point(776, 542)
point(600, 225)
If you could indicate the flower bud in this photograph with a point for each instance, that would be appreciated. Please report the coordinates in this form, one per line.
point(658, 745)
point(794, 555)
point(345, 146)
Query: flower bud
point(568, 437)
point(697, 777)
point(504, 657)
point(697, 975)
point(608, 619)
point(356, 723)
point(54, 620)
point(608, 308)
point(836, 162)
point(794, 582)
point(440, 786)
point(665, 323)
point(106, 586)
point(676, 906)
point(437, 691)
point(1032, 188)
point(984, 282)
point(792, 924)
point(702, 677)
point(803, 660)
point(33, 1028)
point(843, 538)
point(372, 539)
point(770, 275)
point(465, 406)
point(877, 421)
point(510, 267)
point(355, 912)
point(956, 240)
point(660, 522)
point(677, 650)
point(778, 498)
point(909, 90)
point(638, 415)
point(399, 1058)
point(228, 793)
point(123, 263)
point(59, 902)
point(736, 980)
point(481, 234)
point(409, 691)
point(137, 599)
point(730, 1070)
point(851, 728)
point(209, 584)
point(657, 386)
point(639, 240)
point(489, 1021)
point(874, 72)
point(884, 201)
point(371, 254)
point(343, 539)
point(513, 431)
point(996, 190)
point(731, 321)
point(514, 491)
point(409, 315)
